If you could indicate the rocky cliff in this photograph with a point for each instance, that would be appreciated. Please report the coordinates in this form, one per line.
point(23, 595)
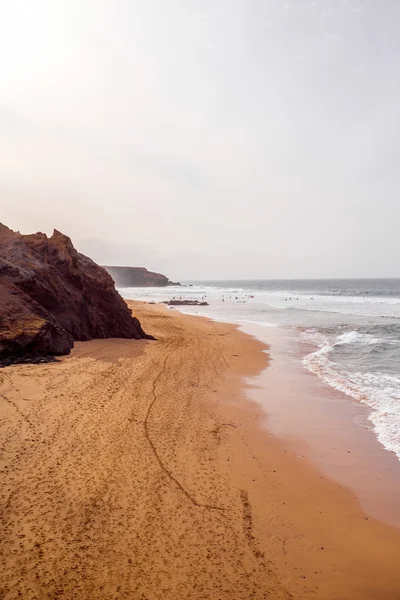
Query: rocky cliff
point(137, 277)
point(51, 295)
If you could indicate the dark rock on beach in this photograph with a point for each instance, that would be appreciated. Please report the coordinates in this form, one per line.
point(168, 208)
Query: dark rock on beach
point(137, 277)
point(184, 303)
point(51, 295)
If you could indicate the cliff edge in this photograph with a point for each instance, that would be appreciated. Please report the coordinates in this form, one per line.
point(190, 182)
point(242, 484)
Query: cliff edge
point(51, 295)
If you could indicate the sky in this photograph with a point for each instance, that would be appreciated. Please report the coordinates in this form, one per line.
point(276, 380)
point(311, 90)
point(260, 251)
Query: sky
point(206, 139)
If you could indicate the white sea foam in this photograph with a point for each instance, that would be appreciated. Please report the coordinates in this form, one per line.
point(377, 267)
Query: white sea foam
point(373, 306)
point(354, 337)
point(365, 358)
point(380, 391)
point(344, 305)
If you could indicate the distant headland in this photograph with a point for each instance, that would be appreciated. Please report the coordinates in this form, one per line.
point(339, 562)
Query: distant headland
point(137, 277)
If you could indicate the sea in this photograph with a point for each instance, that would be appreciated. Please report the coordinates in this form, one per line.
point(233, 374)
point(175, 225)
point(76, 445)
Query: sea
point(348, 332)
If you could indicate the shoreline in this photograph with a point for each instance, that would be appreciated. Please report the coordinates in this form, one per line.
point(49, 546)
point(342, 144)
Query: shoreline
point(327, 426)
point(346, 337)
point(336, 433)
point(141, 469)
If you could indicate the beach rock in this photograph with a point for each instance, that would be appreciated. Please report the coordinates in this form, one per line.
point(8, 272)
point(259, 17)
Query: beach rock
point(184, 303)
point(137, 277)
point(51, 295)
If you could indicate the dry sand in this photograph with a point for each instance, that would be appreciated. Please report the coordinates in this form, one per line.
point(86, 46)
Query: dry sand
point(139, 470)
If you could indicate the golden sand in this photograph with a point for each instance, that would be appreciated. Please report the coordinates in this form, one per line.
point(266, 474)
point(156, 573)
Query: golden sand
point(139, 470)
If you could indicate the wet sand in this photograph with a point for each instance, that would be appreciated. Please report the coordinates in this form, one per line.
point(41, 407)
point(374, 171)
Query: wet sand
point(141, 470)
point(325, 425)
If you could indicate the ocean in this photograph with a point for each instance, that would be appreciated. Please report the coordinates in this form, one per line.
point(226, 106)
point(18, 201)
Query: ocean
point(348, 332)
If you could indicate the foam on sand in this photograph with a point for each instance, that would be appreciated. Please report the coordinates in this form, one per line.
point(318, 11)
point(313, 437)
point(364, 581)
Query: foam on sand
point(380, 391)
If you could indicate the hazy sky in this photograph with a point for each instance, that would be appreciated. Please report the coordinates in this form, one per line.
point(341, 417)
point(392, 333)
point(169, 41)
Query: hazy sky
point(206, 138)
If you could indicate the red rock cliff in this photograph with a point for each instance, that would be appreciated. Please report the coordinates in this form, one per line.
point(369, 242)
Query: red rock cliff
point(51, 295)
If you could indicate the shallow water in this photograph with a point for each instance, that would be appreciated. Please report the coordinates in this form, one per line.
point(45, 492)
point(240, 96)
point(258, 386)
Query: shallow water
point(324, 425)
point(349, 332)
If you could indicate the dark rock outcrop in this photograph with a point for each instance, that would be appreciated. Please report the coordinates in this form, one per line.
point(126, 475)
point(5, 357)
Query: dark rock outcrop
point(184, 303)
point(51, 295)
point(137, 277)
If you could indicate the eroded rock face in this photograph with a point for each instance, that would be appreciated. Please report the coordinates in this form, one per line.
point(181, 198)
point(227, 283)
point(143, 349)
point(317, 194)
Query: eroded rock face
point(137, 277)
point(51, 295)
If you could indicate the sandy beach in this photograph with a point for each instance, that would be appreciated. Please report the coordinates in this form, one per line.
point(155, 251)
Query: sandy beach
point(140, 469)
